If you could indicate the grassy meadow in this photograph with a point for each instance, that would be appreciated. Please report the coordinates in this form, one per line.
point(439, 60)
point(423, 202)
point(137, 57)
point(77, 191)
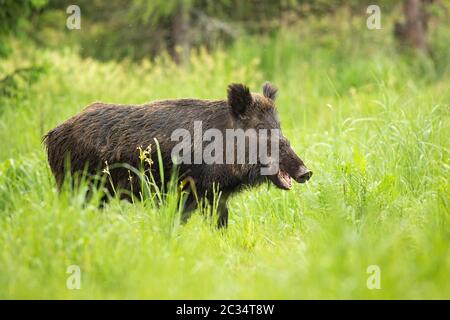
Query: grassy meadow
point(372, 122)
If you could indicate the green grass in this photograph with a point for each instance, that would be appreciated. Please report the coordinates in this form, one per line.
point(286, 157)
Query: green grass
point(373, 125)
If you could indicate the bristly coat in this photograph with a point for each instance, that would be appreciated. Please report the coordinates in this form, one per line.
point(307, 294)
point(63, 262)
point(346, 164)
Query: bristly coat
point(109, 133)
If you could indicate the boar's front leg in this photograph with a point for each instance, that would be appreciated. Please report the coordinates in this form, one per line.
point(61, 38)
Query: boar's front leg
point(222, 212)
point(222, 221)
point(192, 202)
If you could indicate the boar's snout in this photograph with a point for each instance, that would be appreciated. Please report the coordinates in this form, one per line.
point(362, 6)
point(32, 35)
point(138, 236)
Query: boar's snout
point(304, 174)
point(291, 167)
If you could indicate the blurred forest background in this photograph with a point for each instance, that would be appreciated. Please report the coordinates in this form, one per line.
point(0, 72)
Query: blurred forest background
point(140, 30)
point(121, 29)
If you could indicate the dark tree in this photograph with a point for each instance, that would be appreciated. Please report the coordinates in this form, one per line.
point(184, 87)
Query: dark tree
point(413, 31)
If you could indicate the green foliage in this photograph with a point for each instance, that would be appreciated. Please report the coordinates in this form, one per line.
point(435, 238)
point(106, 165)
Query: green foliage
point(16, 83)
point(12, 17)
point(371, 123)
point(154, 11)
point(13, 11)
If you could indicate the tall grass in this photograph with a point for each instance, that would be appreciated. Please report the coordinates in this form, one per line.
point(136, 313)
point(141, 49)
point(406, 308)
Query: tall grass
point(372, 123)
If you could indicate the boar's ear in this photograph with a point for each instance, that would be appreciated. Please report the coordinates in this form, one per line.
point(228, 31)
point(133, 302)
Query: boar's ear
point(239, 97)
point(270, 91)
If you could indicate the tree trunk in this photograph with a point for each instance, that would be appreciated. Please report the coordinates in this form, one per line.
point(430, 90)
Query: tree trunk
point(181, 34)
point(413, 31)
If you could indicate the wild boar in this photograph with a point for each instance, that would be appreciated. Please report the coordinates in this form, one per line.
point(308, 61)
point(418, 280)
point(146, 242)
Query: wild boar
point(108, 133)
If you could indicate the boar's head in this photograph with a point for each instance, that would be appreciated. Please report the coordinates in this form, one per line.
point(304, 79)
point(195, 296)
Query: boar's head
point(256, 111)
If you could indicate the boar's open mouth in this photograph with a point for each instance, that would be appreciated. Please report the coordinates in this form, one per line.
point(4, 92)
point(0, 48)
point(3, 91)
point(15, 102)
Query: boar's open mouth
point(282, 180)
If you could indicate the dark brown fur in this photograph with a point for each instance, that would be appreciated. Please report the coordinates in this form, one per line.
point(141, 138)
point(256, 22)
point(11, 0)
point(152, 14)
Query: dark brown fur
point(112, 133)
